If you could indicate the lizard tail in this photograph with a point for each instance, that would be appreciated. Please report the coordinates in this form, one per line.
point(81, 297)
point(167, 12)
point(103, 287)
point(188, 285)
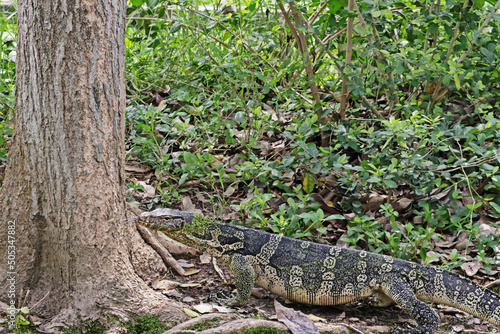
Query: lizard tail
point(461, 293)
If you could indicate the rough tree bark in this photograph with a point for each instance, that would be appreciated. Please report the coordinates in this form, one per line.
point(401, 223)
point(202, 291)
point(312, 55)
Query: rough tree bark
point(62, 206)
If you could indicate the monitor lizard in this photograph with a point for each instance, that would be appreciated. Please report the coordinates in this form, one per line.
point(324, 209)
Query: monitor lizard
point(312, 273)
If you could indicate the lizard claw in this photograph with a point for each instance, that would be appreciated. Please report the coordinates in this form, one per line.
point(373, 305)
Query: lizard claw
point(228, 301)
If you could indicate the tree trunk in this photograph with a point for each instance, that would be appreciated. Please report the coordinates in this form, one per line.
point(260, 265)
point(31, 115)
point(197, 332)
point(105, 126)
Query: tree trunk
point(62, 204)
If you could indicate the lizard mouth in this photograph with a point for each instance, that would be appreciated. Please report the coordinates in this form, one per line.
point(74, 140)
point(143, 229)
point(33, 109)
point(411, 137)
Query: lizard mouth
point(170, 221)
point(159, 222)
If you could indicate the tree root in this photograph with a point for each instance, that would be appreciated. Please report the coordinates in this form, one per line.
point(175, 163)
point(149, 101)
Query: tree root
point(161, 244)
point(243, 324)
point(183, 327)
point(124, 301)
point(174, 246)
point(164, 254)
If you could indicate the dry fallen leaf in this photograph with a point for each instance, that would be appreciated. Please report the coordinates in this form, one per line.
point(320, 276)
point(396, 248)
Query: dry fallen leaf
point(296, 321)
point(325, 205)
point(230, 190)
point(185, 264)
point(440, 195)
point(472, 267)
point(188, 299)
point(137, 169)
point(191, 271)
point(315, 318)
point(162, 104)
point(487, 229)
point(204, 308)
point(190, 285)
point(374, 202)
point(187, 204)
point(149, 191)
point(190, 313)
point(3, 307)
point(164, 285)
point(223, 309)
point(172, 293)
point(35, 320)
point(458, 328)
point(205, 258)
point(403, 203)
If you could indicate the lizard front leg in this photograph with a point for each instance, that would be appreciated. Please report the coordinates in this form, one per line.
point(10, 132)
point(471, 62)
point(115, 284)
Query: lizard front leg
point(244, 278)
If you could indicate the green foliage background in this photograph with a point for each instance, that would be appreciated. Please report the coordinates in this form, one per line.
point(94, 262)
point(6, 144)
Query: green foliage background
point(220, 110)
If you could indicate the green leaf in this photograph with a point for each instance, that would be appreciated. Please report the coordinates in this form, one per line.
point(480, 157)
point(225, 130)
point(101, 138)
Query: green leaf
point(276, 27)
point(189, 158)
point(175, 28)
point(390, 183)
point(240, 117)
point(183, 179)
point(307, 216)
point(488, 54)
point(401, 142)
point(423, 253)
point(496, 207)
point(457, 81)
point(151, 3)
point(321, 229)
point(276, 173)
point(321, 214)
point(432, 27)
point(343, 3)
point(303, 128)
point(21, 321)
point(373, 179)
point(287, 160)
point(316, 168)
point(25, 310)
point(475, 206)
point(136, 3)
point(448, 30)
point(312, 150)
point(308, 183)
point(336, 216)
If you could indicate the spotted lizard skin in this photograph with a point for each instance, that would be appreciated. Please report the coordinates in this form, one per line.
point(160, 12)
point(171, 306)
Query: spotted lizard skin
point(317, 274)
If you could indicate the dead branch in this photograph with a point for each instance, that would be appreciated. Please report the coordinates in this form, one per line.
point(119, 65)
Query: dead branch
point(164, 254)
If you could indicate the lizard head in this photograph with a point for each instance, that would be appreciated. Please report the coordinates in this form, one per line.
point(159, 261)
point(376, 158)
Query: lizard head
point(161, 223)
point(164, 219)
point(182, 226)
